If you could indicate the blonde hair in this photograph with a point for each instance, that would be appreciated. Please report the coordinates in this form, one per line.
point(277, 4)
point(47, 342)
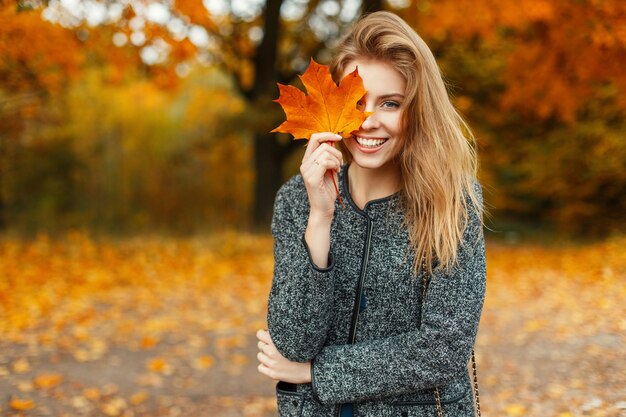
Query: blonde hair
point(438, 162)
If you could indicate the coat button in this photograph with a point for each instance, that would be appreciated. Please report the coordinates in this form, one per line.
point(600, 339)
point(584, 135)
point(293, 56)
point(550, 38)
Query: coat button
point(461, 406)
point(405, 414)
point(294, 402)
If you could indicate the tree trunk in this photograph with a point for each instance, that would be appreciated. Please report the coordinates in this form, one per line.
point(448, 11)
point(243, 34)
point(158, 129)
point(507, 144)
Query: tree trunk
point(268, 155)
point(3, 140)
point(268, 162)
point(370, 6)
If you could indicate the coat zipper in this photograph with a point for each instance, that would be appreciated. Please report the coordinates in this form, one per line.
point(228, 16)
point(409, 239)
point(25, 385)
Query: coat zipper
point(359, 291)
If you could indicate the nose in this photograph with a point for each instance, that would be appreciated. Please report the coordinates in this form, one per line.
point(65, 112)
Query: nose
point(371, 122)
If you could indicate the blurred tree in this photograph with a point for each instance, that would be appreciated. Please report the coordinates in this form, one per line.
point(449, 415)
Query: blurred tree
point(540, 80)
point(543, 81)
point(282, 52)
point(38, 60)
point(260, 44)
point(557, 54)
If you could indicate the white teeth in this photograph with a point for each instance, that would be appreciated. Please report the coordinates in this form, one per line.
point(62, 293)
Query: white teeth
point(370, 143)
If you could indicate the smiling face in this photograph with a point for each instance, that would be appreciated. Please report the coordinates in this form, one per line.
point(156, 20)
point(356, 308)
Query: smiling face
point(378, 141)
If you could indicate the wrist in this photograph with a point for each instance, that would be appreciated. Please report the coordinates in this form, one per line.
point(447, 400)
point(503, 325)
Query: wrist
point(317, 240)
point(319, 220)
point(306, 374)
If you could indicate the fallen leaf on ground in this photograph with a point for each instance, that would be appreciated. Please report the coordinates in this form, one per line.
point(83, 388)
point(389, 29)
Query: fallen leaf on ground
point(48, 380)
point(21, 404)
point(20, 366)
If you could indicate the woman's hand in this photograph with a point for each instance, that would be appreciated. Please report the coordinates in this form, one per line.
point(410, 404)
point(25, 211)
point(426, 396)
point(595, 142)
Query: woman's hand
point(275, 366)
point(320, 164)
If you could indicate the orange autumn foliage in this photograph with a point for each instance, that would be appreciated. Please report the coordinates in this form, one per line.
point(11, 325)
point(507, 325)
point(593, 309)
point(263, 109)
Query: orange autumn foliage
point(540, 81)
point(328, 107)
point(558, 53)
point(36, 55)
point(196, 12)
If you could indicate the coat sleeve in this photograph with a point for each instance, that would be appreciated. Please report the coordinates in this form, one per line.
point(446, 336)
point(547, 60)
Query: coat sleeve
point(433, 355)
point(301, 296)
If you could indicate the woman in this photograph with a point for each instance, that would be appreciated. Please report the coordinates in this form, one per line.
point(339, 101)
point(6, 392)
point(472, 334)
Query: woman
point(374, 308)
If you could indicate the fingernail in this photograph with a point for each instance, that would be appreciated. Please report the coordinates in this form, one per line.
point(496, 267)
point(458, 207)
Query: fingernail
point(338, 136)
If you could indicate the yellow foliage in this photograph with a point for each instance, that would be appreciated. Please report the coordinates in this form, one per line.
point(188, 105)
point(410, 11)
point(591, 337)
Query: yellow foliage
point(20, 366)
point(139, 397)
point(204, 362)
point(114, 406)
point(92, 393)
point(48, 380)
point(211, 293)
point(21, 404)
point(159, 365)
point(515, 410)
point(148, 342)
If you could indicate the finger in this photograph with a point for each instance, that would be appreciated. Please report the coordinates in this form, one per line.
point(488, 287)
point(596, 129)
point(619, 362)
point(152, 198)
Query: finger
point(317, 174)
point(265, 360)
point(316, 139)
point(266, 371)
point(267, 339)
point(323, 153)
point(263, 335)
point(329, 164)
point(267, 348)
point(324, 150)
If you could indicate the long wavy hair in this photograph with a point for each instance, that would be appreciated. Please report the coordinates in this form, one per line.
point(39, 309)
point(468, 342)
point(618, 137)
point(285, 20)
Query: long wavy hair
point(438, 161)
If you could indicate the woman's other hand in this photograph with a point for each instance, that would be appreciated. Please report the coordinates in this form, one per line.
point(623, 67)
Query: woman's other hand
point(276, 366)
point(320, 165)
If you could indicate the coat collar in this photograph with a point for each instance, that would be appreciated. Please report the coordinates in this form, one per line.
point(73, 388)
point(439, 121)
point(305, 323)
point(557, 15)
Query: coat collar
point(373, 207)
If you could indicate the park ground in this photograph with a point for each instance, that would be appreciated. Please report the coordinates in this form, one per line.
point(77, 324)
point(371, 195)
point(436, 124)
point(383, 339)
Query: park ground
point(155, 326)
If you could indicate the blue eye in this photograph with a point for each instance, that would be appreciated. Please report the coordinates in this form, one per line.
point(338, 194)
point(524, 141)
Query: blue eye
point(390, 105)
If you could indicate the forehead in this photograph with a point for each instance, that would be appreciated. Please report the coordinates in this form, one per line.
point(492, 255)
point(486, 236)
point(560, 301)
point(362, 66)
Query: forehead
point(379, 77)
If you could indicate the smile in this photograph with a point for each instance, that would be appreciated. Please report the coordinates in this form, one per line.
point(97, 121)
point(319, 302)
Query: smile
point(369, 142)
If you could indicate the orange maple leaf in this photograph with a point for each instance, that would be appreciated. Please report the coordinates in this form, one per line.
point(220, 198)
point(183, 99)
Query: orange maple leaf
point(328, 107)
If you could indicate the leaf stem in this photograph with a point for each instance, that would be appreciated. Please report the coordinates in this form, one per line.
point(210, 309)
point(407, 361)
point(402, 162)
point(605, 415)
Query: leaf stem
point(337, 190)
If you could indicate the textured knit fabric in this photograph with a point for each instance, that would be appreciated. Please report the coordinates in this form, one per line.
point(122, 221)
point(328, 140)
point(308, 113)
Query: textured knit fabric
point(403, 346)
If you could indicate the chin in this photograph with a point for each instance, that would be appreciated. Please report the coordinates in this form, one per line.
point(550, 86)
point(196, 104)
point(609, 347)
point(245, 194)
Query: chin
point(369, 163)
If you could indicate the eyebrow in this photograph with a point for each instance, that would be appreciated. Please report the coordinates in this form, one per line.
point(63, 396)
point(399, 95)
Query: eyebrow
point(386, 96)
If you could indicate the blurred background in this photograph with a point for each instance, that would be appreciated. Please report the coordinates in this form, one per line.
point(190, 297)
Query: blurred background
point(137, 178)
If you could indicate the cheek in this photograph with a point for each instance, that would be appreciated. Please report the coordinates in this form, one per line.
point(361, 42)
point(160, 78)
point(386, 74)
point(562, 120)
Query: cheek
point(395, 129)
point(393, 122)
point(398, 146)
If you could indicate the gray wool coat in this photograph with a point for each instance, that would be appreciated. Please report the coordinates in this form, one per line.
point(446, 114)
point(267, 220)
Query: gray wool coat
point(372, 339)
